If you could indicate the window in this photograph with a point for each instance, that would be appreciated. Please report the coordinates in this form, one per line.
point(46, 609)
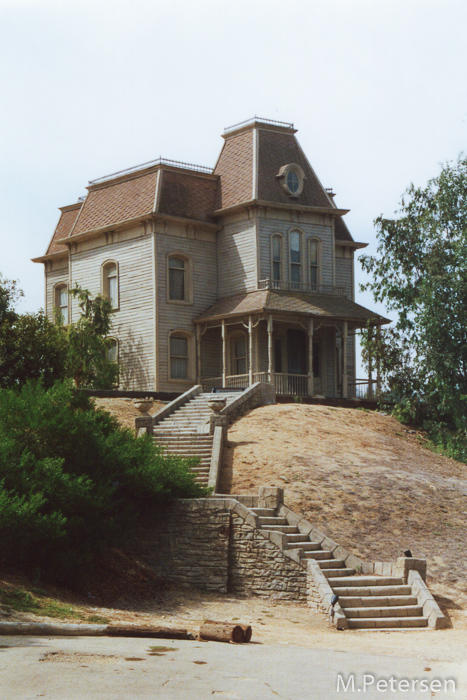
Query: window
point(110, 283)
point(292, 178)
point(112, 350)
point(239, 354)
point(61, 302)
point(179, 276)
point(276, 254)
point(295, 258)
point(314, 263)
point(178, 357)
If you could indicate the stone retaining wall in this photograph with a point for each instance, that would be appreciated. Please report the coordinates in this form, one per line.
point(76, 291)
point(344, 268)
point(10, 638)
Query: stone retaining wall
point(213, 544)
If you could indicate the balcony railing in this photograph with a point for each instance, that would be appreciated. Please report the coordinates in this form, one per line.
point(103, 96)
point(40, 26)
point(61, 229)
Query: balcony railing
point(299, 287)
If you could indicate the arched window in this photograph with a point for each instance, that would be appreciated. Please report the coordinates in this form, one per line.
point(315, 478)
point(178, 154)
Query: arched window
point(295, 258)
point(179, 278)
point(239, 354)
point(61, 299)
point(110, 286)
point(313, 261)
point(179, 365)
point(276, 258)
point(112, 349)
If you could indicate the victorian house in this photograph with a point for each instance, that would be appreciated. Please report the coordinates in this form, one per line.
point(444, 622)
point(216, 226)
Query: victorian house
point(223, 276)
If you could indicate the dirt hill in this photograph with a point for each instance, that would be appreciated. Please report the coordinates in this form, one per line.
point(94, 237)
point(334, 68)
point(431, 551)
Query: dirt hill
point(363, 478)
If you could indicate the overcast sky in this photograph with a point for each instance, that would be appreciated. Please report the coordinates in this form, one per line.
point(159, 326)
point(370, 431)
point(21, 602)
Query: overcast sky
point(376, 88)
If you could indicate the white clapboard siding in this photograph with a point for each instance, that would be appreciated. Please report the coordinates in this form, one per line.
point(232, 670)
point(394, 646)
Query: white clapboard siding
point(179, 316)
point(52, 279)
point(344, 275)
point(236, 255)
point(268, 227)
point(133, 322)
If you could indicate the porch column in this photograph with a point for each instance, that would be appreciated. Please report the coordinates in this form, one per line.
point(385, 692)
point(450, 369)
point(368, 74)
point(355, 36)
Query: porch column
point(311, 390)
point(270, 377)
point(250, 351)
point(370, 367)
point(198, 354)
point(224, 354)
point(345, 386)
point(378, 362)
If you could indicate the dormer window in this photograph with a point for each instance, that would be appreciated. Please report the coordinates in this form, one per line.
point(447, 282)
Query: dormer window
point(292, 179)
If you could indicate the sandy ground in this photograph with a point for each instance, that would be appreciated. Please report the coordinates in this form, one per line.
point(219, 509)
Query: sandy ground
point(363, 478)
point(124, 409)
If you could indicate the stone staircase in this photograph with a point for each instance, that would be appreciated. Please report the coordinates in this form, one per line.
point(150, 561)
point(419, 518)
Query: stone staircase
point(185, 432)
point(368, 602)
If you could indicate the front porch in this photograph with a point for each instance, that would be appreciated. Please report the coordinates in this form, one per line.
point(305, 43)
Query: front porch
point(304, 344)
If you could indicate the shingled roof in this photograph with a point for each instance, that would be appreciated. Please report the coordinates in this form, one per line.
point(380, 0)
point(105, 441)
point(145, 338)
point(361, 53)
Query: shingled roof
point(314, 305)
point(250, 161)
point(65, 224)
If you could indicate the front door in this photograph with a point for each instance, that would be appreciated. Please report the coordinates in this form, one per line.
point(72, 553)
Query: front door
point(297, 343)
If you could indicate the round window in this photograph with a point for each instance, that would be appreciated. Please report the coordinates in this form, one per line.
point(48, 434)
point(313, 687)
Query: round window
point(293, 182)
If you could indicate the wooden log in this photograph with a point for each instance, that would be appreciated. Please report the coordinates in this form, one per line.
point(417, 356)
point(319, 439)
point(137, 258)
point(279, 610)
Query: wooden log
point(148, 631)
point(247, 632)
point(221, 632)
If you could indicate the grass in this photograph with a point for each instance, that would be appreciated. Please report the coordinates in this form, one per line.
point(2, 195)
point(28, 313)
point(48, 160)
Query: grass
point(160, 651)
point(37, 603)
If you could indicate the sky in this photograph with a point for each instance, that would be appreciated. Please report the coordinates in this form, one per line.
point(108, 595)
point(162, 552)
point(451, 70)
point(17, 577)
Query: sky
point(376, 89)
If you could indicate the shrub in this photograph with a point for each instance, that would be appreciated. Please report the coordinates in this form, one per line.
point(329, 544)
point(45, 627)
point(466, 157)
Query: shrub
point(72, 481)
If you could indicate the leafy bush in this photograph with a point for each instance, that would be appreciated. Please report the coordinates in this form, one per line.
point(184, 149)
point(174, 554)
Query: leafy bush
point(72, 481)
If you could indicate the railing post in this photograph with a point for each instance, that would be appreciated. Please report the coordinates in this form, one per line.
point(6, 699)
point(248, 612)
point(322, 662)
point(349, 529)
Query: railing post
point(345, 387)
point(370, 366)
point(378, 362)
point(224, 354)
point(250, 350)
point(310, 358)
point(270, 328)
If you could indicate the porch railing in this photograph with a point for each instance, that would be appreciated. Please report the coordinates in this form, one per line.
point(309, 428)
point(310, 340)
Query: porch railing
point(362, 389)
point(234, 381)
point(291, 384)
point(287, 286)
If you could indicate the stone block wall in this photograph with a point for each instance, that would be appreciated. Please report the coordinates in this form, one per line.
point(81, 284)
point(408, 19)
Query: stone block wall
point(256, 565)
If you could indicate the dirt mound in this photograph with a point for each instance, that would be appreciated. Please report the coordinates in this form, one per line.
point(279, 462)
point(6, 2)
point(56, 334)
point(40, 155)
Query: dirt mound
point(363, 478)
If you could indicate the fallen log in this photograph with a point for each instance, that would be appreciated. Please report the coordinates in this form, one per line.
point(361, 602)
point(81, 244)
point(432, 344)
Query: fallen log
point(247, 632)
point(214, 631)
point(148, 631)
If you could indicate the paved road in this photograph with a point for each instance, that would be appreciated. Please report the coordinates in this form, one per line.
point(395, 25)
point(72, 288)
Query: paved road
point(100, 668)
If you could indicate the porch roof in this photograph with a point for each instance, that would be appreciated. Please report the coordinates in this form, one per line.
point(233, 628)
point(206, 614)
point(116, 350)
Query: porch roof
point(298, 303)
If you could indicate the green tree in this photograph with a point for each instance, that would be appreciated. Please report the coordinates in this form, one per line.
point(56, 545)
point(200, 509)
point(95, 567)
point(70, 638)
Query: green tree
point(87, 360)
point(420, 272)
point(31, 347)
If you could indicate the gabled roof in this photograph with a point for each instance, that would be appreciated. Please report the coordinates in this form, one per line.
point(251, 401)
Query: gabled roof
point(315, 305)
point(250, 161)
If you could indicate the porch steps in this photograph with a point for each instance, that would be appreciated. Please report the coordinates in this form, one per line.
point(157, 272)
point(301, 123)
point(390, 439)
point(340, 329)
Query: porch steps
point(368, 602)
point(180, 433)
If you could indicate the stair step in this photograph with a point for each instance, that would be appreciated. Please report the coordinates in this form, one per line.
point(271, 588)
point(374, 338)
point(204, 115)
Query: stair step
point(266, 512)
point(387, 622)
point(331, 564)
point(377, 601)
point(336, 574)
point(319, 555)
point(271, 520)
point(340, 587)
point(374, 581)
point(304, 546)
point(285, 529)
point(391, 611)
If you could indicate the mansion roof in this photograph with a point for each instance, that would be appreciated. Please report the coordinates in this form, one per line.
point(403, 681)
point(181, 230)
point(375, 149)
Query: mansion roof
point(312, 305)
point(246, 172)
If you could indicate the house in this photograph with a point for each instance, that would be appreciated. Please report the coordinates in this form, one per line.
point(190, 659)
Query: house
point(222, 276)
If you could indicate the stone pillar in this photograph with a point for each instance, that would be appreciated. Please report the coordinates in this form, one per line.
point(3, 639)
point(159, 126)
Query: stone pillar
point(345, 382)
point(270, 371)
point(224, 355)
point(310, 358)
point(250, 350)
point(406, 564)
point(270, 497)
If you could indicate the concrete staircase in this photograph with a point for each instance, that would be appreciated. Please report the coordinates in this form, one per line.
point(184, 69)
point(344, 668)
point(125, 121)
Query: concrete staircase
point(368, 602)
point(185, 433)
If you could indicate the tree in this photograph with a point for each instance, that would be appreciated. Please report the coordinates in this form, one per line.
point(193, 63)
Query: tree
point(421, 273)
point(87, 361)
point(31, 347)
